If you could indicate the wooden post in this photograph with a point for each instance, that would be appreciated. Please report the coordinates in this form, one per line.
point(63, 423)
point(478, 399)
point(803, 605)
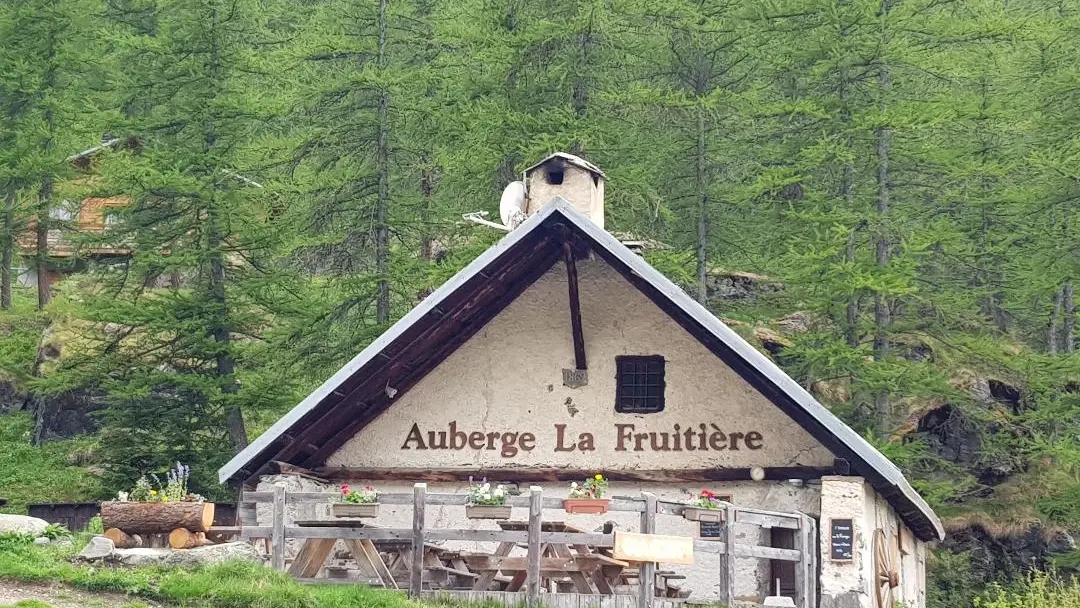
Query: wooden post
point(647, 576)
point(806, 569)
point(727, 558)
point(575, 308)
point(532, 575)
point(277, 538)
point(416, 573)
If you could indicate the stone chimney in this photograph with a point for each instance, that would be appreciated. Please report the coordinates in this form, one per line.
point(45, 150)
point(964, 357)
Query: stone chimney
point(575, 179)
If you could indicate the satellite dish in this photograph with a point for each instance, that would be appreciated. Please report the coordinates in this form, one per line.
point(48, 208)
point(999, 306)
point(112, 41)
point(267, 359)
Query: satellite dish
point(512, 204)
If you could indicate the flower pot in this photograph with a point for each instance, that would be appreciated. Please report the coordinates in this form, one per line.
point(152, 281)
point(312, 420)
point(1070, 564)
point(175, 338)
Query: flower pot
point(699, 514)
point(586, 506)
point(488, 511)
point(354, 509)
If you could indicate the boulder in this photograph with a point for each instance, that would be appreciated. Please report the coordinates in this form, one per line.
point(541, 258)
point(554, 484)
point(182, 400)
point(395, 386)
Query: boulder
point(795, 323)
point(213, 554)
point(22, 524)
point(99, 547)
point(139, 557)
point(41, 540)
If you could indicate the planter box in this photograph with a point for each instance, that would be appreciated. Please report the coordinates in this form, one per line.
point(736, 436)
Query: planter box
point(586, 506)
point(699, 514)
point(350, 509)
point(488, 511)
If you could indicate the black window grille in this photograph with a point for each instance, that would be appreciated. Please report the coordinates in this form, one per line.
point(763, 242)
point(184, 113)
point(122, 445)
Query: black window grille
point(639, 384)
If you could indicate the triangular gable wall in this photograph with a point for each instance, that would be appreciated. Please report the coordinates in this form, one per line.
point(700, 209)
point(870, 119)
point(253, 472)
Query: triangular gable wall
point(499, 400)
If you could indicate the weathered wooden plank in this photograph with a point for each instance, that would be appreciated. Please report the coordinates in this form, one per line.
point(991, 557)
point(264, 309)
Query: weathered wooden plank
point(575, 307)
point(647, 578)
point(801, 584)
point(532, 574)
point(537, 475)
point(727, 561)
point(791, 522)
point(277, 535)
point(416, 573)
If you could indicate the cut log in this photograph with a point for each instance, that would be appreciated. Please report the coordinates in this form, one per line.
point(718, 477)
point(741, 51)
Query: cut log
point(157, 517)
point(123, 540)
point(182, 538)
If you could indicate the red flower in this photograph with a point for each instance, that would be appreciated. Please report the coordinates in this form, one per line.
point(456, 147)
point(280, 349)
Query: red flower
point(344, 489)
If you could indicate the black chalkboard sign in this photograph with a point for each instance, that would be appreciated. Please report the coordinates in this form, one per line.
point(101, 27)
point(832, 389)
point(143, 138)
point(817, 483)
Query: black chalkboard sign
point(841, 534)
point(709, 529)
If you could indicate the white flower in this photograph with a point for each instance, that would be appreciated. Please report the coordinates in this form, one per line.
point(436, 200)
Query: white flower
point(574, 485)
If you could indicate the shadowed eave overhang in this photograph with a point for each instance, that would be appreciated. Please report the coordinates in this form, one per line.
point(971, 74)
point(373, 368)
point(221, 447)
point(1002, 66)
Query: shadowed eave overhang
point(446, 319)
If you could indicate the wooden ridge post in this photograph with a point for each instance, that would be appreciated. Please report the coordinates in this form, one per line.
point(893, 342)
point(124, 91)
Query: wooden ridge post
point(277, 538)
point(532, 575)
point(416, 572)
point(647, 576)
point(727, 558)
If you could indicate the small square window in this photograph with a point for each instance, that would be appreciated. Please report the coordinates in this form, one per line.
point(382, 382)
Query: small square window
point(639, 384)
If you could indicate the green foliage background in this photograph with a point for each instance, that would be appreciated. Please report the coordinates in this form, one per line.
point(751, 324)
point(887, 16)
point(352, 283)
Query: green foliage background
point(902, 175)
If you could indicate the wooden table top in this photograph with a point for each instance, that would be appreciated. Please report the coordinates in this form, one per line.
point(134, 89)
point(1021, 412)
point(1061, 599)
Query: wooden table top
point(333, 523)
point(546, 526)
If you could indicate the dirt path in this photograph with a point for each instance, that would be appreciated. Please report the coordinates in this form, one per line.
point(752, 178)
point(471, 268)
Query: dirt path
point(64, 597)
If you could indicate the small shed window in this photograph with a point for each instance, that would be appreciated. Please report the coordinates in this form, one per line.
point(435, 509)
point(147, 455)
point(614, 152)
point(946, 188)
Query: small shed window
point(639, 384)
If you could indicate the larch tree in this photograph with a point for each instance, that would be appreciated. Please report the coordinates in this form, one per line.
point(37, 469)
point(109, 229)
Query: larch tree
point(174, 318)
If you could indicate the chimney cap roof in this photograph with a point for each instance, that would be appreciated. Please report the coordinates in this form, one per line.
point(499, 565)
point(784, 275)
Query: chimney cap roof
point(573, 160)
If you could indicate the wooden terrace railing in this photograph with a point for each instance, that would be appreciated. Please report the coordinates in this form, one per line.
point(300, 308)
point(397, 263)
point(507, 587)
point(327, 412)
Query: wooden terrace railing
point(534, 538)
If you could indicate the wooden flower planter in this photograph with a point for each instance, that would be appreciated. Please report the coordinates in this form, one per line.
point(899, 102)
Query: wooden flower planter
point(488, 511)
point(157, 517)
point(354, 510)
point(706, 515)
point(586, 506)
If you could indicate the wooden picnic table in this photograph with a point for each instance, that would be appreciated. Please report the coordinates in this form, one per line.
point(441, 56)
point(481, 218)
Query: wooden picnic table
point(314, 551)
point(588, 570)
point(368, 555)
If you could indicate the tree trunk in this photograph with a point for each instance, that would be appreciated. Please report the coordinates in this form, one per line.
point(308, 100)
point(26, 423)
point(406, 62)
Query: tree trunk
point(427, 193)
point(182, 538)
point(157, 517)
point(703, 212)
point(1055, 322)
point(1069, 322)
point(123, 540)
point(45, 197)
point(225, 366)
point(382, 228)
point(7, 247)
point(881, 246)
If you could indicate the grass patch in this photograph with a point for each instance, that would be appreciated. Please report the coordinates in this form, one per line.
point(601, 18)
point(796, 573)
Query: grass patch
point(1041, 590)
point(43, 473)
point(232, 585)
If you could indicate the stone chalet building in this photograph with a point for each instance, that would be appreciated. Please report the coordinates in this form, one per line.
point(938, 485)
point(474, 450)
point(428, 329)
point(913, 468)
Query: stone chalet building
point(560, 353)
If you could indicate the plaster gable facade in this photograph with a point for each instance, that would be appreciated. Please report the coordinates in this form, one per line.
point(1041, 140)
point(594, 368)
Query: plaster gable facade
point(508, 379)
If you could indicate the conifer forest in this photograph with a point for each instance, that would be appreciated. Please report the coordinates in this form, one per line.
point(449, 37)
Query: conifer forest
point(882, 195)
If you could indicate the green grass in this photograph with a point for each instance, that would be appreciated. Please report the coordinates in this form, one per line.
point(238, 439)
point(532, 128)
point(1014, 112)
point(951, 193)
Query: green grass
point(41, 474)
point(1041, 590)
point(234, 585)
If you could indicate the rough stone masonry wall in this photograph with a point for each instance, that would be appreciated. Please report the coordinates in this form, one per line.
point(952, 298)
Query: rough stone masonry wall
point(752, 575)
point(851, 584)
